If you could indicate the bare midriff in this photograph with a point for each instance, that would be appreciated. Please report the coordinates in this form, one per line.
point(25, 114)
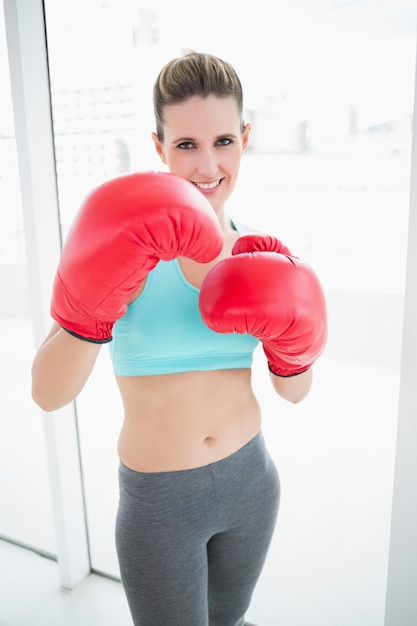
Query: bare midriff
point(187, 420)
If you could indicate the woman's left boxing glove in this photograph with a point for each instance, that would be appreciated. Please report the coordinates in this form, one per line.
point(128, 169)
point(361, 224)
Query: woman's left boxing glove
point(264, 291)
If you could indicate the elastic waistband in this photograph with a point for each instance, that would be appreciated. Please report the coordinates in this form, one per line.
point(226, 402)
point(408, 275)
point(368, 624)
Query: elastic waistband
point(240, 457)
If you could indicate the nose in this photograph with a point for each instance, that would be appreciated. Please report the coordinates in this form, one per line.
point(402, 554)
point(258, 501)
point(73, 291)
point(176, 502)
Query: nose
point(207, 163)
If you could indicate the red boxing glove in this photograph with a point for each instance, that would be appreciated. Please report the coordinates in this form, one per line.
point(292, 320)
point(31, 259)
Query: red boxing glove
point(264, 291)
point(123, 229)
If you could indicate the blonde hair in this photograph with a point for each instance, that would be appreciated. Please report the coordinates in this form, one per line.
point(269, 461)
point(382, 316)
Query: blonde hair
point(194, 74)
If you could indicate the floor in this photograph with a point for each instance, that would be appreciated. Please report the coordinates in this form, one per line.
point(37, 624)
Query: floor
point(30, 594)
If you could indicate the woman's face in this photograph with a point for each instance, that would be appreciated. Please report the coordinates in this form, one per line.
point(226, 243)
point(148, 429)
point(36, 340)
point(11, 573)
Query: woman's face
point(203, 143)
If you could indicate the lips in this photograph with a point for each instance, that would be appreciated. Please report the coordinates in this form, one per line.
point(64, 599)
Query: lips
point(208, 186)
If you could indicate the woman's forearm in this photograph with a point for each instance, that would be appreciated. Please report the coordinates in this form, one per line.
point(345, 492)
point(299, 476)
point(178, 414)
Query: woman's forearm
point(61, 368)
point(293, 388)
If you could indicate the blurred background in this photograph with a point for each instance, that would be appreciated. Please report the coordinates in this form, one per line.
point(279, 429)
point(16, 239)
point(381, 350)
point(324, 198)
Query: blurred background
point(329, 88)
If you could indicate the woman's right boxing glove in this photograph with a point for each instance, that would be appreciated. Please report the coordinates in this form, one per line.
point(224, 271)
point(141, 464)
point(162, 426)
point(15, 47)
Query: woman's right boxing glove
point(122, 230)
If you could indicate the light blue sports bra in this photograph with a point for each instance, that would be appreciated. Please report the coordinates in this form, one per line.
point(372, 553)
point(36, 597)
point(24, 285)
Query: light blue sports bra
point(163, 333)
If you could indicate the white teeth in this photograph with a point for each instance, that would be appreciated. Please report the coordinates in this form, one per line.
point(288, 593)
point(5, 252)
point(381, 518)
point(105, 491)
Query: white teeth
point(208, 185)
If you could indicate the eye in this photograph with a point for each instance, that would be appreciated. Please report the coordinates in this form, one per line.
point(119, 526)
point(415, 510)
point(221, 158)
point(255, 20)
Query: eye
point(224, 141)
point(185, 145)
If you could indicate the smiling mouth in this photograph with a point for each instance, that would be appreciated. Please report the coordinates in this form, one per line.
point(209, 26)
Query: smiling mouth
point(208, 186)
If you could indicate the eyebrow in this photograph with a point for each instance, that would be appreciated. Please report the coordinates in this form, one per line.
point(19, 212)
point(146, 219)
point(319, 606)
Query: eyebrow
point(182, 139)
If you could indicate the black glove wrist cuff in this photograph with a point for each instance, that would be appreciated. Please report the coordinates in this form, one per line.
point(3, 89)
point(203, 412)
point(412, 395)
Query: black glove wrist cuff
point(287, 375)
point(88, 339)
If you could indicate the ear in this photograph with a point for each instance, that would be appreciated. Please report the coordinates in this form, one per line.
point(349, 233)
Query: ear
point(245, 136)
point(159, 148)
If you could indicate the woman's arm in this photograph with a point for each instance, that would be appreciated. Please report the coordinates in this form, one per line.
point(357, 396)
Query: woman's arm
point(293, 388)
point(263, 291)
point(61, 368)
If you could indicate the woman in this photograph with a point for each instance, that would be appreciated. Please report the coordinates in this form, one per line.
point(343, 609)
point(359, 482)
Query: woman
point(198, 491)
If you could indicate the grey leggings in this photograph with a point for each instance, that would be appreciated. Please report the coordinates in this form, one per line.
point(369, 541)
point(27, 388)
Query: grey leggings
point(191, 544)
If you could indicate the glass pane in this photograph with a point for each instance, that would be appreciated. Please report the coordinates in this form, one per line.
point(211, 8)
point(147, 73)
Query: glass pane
point(26, 515)
point(329, 91)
